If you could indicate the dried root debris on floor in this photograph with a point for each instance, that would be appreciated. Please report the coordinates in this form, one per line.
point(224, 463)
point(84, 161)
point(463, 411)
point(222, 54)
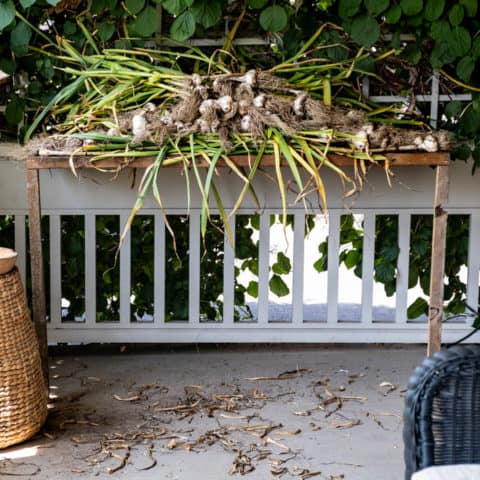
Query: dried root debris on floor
point(239, 420)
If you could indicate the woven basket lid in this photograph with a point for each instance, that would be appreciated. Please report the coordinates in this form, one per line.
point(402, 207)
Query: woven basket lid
point(8, 258)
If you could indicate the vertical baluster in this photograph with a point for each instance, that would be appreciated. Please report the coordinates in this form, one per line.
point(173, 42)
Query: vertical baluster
point(21, 246)
point(229, 276)
point(403, 261)
point(333, 254)
point(55, 271)
point(125, 273)
point(473, 260)
point(368, 259)
point(194, 268)
point(263, 268)
point(90, 270)
point(159, 269)
point(298, 267)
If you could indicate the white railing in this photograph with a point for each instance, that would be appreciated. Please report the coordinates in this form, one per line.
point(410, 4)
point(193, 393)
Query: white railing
point(95, 194)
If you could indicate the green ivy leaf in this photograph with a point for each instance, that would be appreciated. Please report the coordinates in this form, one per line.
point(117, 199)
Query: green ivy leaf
point(475, 52)
point(471, 6)
point(411, 7)
point(412, 53)
point(453, 108)
point(69, 28)
point(433, 9)
point(440, 30)
point(365, 30)
point(27, 3)
point(278, 286)
point(176, 7)
point(146, 22)
point(134, 6)
point(105, 31)
point(455, 16)
point(252, 289)
point(353, 258)
point(257, 4)
point(375, 7)
point(273, 19)
point(8, 66)
point(348, 8)
point(465, 68)
point(460, 41)
point(20, 38)
point(282, 266)
point(417, 308)
point(394, 14)
point(207, 12)
point(183, 27)
point(15, 110)
point(7, 13)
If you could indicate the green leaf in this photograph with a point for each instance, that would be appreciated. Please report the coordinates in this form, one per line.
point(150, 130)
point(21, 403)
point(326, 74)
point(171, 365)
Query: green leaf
point(471, 6)
point(440, 30)
point(433, 9)
point(348, 8)
point(7, 13)
point(207, 12)
point(411, 7)
point(134, 6)
point(417, 308)
point(282, 265)
point(465, 68)
point(459, 41)
point(146, 22)
point(252, 289)
point(273, 19)
point(176, 7)
point(278, 286)
point(8, 66)
point(27, 3)
point(375, 7)
point(365, 30)
point(393, 15)
point(15, 110)
point(455, 16)
point(257, 4)
point(69, 28)
point(20, 38)
point(475, 52)
point(453, 108)
point(105, 31)
point(413, 53)
point(352, 259)
point(183, 27)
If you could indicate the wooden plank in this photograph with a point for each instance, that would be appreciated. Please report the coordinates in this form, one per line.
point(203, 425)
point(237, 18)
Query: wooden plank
point(229, 276)
point(403, 261)
point(125, 272)
point(298, 267)
point(473, 260)
point(55, 271)
point(398, 159)
point(263, 268)
point(21, 246)
point(194, 269)
point(90, 270)
point(367, 266)
point(332, 268)
point(36, 262)
point(439, 240)
point(159, 270)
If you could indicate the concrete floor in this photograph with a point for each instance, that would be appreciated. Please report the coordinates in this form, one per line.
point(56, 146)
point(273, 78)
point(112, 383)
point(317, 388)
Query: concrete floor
point(184, 414)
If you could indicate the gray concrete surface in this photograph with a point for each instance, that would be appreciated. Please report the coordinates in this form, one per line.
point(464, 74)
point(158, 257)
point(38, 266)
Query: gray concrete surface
point(222, 420)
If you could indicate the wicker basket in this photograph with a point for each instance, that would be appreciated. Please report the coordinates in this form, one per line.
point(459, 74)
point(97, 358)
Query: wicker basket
point(23, 393)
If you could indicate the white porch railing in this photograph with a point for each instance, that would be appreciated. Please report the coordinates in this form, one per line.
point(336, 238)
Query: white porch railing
point(96, 195)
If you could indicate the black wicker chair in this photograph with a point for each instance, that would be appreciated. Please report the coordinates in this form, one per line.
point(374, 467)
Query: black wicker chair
point(442, 410)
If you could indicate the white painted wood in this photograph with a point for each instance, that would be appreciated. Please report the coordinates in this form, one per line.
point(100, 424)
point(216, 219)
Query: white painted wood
point(332, 267)
point(298, 266)
point(90, 270)
point(403, 261)
point(434, 99)
point(229, 276)
point(263, 268)
point(368, 259)
point(194, 268)
point(473, 260)
point(21, 246)
point(55, 271)
point(125, 272)
point(159, 269)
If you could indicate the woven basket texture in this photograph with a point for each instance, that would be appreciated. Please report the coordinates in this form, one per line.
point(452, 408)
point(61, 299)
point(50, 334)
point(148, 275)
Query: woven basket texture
point(23, 393)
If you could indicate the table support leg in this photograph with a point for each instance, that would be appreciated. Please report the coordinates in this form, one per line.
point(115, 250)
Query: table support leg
point(439, 240)
point(36, 262)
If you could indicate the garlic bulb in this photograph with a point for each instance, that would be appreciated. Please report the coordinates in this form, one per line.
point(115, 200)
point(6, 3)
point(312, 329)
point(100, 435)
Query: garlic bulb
point(259, 101)
point(139, 126)
point(246, 123)
point(430, 144)
point(206, 105)
point(196, 79)
point(361, 141)
point(225, 103)
point(299, 104)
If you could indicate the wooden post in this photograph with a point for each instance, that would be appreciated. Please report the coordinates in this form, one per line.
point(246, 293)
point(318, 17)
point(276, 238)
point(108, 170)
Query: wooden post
point(36, 262)
point(439, 239)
